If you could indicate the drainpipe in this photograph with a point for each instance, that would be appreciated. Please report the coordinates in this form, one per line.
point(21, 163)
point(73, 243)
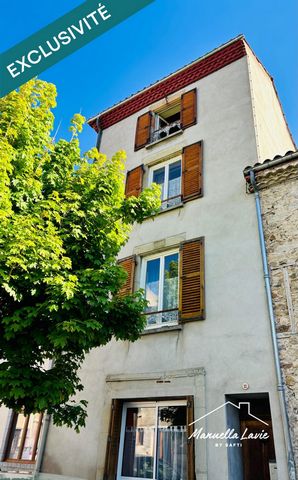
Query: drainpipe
point(280, 384)
point(99, 134)
point(42, 446)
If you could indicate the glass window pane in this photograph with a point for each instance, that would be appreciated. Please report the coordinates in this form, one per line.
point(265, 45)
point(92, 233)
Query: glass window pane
point(159, 178)
point(170, 289)
point(32, 432)
point(139, 448)
point(171, 443)
point(152, 284)
point(17, 436)
point(174, 187)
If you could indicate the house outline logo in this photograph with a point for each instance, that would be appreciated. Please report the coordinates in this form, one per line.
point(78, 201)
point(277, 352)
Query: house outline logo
point(234, 405)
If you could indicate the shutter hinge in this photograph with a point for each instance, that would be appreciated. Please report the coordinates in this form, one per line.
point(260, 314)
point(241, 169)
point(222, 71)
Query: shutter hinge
point(189, 403)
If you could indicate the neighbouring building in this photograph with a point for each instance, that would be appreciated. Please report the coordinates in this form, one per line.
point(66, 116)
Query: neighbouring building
point(206, 354)
point(276, 181)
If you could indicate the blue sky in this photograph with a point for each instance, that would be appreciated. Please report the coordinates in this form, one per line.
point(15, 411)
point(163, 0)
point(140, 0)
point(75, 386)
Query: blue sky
point(155, 42)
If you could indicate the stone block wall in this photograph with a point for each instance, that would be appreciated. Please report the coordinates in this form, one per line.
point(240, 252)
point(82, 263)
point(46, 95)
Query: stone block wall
point(279, 198)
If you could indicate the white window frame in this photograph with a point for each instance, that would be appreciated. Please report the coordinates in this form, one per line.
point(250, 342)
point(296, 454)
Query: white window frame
point(156, 404)
point(166, 165)
point(162, 256)
point(166, 108)
point(158, 119)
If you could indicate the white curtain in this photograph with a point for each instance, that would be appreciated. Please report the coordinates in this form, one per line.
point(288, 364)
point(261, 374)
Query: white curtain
point(171, 453)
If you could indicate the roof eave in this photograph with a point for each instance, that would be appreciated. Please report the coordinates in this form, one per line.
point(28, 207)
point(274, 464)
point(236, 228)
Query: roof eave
point(92, 121)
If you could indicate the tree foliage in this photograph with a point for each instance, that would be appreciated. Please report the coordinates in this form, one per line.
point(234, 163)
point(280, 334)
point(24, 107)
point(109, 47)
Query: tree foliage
point(63, 221)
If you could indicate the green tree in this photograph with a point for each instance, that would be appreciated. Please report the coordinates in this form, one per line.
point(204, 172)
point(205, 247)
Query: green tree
point(63, 221)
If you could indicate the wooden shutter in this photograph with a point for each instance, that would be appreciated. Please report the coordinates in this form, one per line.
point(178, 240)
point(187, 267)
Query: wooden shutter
point(112, 451)
point(134, 182)
point(12, 426)
point(143, 131)
point(189, 108)
point(191, 304)
point(128, 264)
point(190, 442)
point(192, 166)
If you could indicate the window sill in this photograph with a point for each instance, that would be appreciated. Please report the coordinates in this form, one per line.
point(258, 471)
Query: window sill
point(150, 145)
point(166, 328)
point(175, 207)
point(179, 205)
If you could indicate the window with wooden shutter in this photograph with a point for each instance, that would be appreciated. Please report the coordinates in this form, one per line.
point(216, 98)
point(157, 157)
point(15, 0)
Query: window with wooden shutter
point(128, 264)
point(113, 441)
point(189, 109)
point(190, 441)
point(143, 131)
point(191, 305)
point(134, 182)
point(192, 169)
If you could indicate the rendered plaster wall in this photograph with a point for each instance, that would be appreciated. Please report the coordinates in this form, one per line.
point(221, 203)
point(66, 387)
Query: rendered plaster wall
point(233, 344)
point(4, 412)
point(3, 415)
point(272, 134)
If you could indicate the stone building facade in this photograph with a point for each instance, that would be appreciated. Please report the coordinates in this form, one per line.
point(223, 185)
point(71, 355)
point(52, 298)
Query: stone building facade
point(278, 188)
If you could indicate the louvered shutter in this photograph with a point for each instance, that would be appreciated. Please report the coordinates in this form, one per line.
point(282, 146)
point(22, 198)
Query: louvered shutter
point(191, 304)
point(189, 108)
point(134, 182)
point(113, 441)
point(190, 442)
point(129, 266)
point(143, 131)
point(192, 172)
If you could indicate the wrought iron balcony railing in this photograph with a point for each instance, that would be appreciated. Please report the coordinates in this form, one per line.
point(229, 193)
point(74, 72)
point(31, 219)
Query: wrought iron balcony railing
point(165, 131)
point(165, 317)
point(170, 202)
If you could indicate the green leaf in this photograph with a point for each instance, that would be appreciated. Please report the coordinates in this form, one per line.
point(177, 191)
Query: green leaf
point(63, 221)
